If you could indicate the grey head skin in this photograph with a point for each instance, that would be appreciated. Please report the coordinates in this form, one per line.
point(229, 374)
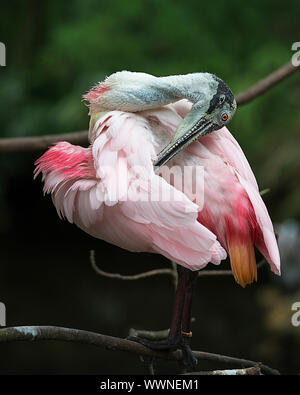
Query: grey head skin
point(213, 102)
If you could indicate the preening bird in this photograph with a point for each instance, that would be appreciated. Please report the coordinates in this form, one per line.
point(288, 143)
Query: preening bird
point(117, 190)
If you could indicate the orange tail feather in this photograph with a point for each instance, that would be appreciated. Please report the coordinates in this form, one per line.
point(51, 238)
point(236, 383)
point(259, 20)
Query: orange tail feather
point(243, 262)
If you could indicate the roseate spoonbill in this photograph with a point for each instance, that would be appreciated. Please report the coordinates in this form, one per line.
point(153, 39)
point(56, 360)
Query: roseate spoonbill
point(134, 116)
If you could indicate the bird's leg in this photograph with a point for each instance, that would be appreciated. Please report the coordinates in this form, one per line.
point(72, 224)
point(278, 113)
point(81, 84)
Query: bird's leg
point(180, 325)
point(186, 333)
point(175, 336)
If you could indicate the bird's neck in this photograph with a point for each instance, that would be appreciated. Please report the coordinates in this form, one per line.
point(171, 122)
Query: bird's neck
point(193, 87)
point(129, 91)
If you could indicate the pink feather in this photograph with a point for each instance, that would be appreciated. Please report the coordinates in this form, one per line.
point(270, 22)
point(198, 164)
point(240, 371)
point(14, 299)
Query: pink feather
point(89, 188)
point(110, 191)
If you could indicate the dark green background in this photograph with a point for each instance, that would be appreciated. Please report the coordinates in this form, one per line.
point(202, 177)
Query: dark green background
point(55, 52)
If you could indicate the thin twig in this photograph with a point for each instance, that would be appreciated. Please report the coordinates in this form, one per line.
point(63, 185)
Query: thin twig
point(172, 272)
point(127, 277)
point(31, 333)
point(228, 272)
point(266, 83)
point(264, 191)
point(24, 144)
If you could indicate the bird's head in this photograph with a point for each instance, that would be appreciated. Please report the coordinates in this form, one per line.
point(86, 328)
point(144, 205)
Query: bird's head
point(213, 108)
point(222, 106)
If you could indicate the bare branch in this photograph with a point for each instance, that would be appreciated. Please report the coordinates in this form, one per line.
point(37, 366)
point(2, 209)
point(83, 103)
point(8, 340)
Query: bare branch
point(263, 85)
point(126, 277)
point(253, 371)
point(203, 273)
point(172, 272)
point(31, 333)
point(150, 335)
point(264, 191)
point(24, 144)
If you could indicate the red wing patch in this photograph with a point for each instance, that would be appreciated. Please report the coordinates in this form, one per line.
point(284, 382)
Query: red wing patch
point(68, 160)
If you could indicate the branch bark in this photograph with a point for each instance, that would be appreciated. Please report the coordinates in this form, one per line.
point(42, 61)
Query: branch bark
point(132, 277)
point(266, 83)
point(203, 273)
point(31, 333)
point(172, 272)
point(26, 144)
point(253, 371)
point(40, 143)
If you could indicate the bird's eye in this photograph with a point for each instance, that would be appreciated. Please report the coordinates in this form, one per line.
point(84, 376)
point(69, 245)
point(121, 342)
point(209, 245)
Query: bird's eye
point(223, 115)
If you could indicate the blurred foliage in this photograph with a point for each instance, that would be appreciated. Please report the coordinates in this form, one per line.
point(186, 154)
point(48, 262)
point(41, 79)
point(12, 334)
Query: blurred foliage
point(57, 50)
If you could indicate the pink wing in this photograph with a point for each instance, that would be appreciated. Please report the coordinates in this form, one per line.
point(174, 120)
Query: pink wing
point(111, 191)
point(223, 146)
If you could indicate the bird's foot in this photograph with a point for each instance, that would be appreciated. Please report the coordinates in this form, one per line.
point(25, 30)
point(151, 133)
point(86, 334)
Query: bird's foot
point(170, 344)
point(188, 357)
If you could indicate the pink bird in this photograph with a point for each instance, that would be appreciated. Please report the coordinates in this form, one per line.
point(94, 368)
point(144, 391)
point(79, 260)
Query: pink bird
point(112, 191)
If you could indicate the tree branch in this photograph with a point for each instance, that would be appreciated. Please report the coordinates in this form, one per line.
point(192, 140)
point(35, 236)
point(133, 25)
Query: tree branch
point(25, 144)
point(253, 371)
point(265, 84)
point(31, 333)
point(228, 272)
point(118, 276)
point(172, 272)
point(39, 143)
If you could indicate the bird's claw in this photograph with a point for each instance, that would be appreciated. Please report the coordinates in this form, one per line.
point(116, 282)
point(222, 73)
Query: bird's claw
point(188, 358)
